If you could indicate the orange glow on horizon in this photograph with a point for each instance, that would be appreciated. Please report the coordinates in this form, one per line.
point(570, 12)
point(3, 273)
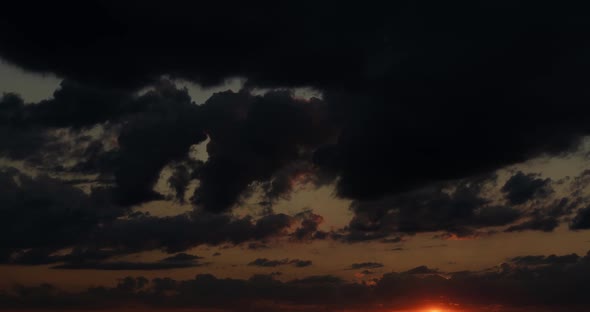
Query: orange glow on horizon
point(434, 309)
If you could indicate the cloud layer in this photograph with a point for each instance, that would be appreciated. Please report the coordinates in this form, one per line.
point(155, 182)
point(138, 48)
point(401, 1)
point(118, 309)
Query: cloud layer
point(525, 281)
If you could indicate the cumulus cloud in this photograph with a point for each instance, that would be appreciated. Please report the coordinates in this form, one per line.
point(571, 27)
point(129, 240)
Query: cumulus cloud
point(408, 112)
point(521, 188)
point(459, 208)
point(277, 134)
point(43, 212)
point(582, 220)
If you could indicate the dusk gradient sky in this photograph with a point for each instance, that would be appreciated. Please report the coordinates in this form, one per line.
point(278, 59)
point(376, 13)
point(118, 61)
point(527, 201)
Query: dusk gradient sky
point(301, 156)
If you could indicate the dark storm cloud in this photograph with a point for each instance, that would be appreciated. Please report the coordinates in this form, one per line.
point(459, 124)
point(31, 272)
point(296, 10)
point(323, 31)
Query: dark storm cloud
point(126, 266)
point(468, 208)
point(151, 140)
point(73, 106)
point(521, 188)
point(78, 105)
point(458, 208)
point(582, 220)
point(422, 270)
point(131, 45)
point(524, 282)
point(179, 180)
point(17, 139)
point(257, 139)
point(422, 92)
point(545, 260)
point(178, 261)
point(181, 257)
point(308, 229)
point(184, 231)
point(25, 135)
point(257, 246)
point(41, 216)
point(153, 129)
point(78, 256)
point(547, 214)
point(263, 262)
point(42, 212)
point(366, 265)
point(301, 263)
point(538, 223)
point(140, 232)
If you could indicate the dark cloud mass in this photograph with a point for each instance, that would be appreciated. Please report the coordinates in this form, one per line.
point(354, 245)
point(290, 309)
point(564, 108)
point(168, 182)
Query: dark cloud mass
point(458, 207)
point(127, 266)
point(263, 262)
point(42, 216)
point(582, 220)
point(252, 138)
point(366, 265)
point(43, 212)
point(179, 233)
point(520, 188)
point(405, 82)
point(178, 261)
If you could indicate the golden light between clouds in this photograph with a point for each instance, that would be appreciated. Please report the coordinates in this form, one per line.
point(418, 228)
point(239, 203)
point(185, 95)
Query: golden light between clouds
point(434, 309)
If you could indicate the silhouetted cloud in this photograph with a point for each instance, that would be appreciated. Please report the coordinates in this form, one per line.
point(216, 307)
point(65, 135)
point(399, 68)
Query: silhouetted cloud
point(407, 112)
point(457, 207)
point(545, 224)
point(147, 232)
point(43, 212)
point(524, 281)
point(582, 219)
point(263, 262)
point(129, 266)
point(422, 270)
point(545, 260)
point(521, 188)
point(271, 151)
point(308, 229)
point(181, 257)
point(366, 265)
point(257, 245)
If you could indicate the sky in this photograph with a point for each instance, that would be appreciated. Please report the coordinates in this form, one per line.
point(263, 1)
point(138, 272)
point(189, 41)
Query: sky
point(416, 156)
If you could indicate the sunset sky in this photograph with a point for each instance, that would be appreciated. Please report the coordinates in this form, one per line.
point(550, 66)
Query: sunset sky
point(420, 156)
